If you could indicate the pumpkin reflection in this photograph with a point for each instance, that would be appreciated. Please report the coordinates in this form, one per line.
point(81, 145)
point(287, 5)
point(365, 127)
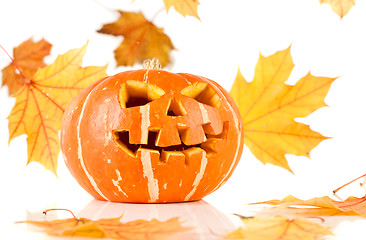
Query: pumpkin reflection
point(206, 220)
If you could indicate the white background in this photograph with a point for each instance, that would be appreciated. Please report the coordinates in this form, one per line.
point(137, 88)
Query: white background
point(230, 35)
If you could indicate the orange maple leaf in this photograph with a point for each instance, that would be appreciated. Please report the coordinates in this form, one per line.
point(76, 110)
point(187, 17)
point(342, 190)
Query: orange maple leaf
point(41, 101)
point(269, 106)
point(29, 57)
point(279, 228)
point(341, 7)
point(320, 206)
point(112, 228)
point(142, 39)
point(184, 7)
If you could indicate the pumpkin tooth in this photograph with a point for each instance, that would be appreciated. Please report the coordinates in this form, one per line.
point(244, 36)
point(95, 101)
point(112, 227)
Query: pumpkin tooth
point(168, 136)
point(208, 128)
point(167, 156)
point(193, 153)
point(210, 145)
point(210, 133)
point(198, 135)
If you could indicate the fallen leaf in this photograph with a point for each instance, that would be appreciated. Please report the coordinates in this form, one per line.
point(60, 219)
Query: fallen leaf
point(41, 101)
point(184, 7)
point(279, 228)
point(341, 7)
point(269, 106)
point(28, 57)
point(320, 206)
point(142, 39)
point(112, 228)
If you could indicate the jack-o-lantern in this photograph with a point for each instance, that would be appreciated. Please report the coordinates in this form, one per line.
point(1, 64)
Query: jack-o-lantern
point(152, 136)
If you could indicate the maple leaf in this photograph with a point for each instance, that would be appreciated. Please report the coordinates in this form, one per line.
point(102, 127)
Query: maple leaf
point(142, 39)
point(341, 7)
point(320, 206)
point(29, 57)
point(41, 101)
point(184, 7)
point(268, 108)
point(279, 228)
point(112, 228)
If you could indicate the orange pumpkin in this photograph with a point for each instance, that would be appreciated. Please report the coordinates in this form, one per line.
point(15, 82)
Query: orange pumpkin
point(152, 136)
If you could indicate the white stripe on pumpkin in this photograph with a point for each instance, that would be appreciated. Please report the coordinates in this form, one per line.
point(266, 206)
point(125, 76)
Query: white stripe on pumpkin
point(80, 151)
point(199, 176)
point(205, 117)
point(236, 157)
point(116, 183)
point(145, 123)
point(152, 183)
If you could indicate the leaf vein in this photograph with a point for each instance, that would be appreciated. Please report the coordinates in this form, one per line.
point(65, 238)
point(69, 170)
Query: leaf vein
point(289, 103)
point(266, 86)
point(42, 125)
point(21, 117)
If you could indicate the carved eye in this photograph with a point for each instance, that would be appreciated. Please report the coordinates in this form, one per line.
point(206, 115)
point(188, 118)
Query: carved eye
point(136, 93)
point(203, 93)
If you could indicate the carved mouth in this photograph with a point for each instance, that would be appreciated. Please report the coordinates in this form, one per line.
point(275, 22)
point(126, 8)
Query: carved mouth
point(121, 137)
point(136, 93)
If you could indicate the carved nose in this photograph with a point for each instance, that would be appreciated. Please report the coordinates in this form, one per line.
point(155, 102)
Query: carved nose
point(176, 108)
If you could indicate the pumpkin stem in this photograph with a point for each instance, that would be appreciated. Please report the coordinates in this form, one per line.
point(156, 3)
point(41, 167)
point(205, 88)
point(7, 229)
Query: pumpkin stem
point(152, 63)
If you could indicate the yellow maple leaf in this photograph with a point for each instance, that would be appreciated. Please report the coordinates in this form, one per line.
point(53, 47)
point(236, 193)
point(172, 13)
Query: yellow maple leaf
point(319, 206)
point(268, 107)
point(112, 228)
point(28, 57)
point(341, 7)
point(279, 228)
point(142, 40)
point(42, 100)
point(184, 7)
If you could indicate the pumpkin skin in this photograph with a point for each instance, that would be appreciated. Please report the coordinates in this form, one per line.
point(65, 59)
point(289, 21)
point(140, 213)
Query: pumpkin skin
point(151, 136)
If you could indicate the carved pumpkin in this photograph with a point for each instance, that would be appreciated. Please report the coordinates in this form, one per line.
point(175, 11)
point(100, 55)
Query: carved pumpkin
point(152, 136)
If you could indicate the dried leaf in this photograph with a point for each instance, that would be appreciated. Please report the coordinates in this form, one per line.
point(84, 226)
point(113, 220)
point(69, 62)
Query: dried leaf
point(341, 7)
point(28, 57)
point(42, 100)
point(279, 228)
point(269, 106)
point(184, 7)
point(142, 40)
point(320, 206)
point(112, 228)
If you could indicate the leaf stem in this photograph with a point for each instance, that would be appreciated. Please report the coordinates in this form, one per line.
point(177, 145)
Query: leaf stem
point(335, 191)
point(60, 209)
point(320, 218)
point(157, 14)
point(105, 7)
point(243, 217)
point(16, 66)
